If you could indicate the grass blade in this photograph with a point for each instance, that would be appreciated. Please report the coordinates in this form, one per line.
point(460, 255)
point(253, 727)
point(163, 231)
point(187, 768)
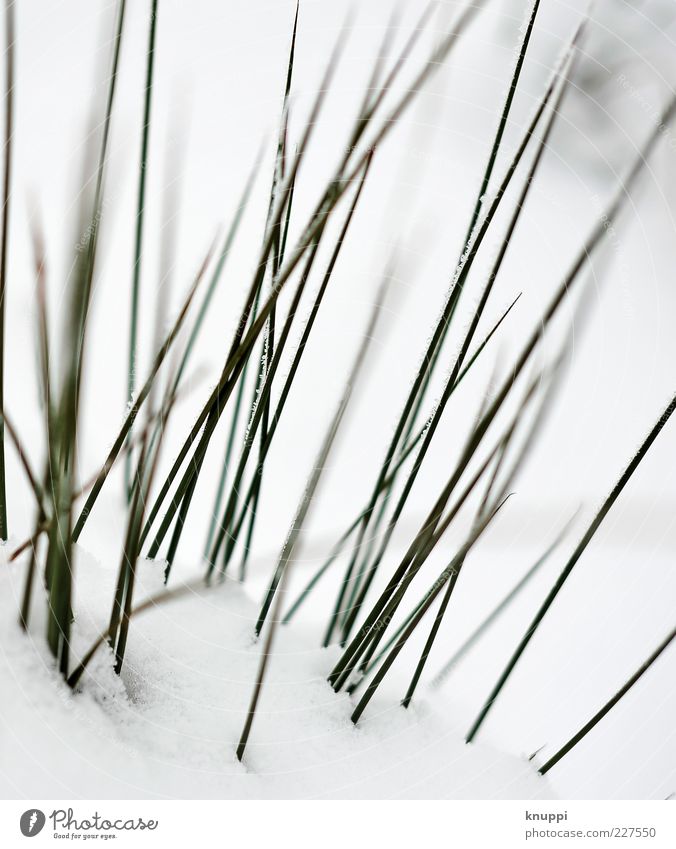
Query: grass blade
point(9, 128)
point(140, 213)
point(609, 705)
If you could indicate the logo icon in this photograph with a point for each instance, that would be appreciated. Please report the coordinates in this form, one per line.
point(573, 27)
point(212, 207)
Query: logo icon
point(32, 822)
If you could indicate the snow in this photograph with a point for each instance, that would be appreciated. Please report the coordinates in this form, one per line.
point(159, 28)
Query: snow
point(168, 727)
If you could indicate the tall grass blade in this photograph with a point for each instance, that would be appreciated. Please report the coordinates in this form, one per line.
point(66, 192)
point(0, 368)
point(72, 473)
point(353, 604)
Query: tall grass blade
point(140, 213)
point(7, 178)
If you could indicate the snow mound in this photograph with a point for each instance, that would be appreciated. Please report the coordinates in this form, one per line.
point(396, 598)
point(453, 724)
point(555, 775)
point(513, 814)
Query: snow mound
point(169, 726)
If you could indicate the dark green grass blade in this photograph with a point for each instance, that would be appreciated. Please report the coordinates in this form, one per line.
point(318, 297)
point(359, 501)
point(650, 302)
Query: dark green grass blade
point(483, 509)
point(427, 538)
point(609, 705)
point(7, 178)
point(420, 548)
point(577, 554)
point(140, 213)
point(498, 610)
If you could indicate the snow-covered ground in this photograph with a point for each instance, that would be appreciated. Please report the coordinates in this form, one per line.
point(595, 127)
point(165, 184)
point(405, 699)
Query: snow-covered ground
point(169, 728)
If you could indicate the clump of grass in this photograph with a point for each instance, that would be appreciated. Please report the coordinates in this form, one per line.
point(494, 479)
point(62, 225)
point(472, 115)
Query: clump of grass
point(483, 469)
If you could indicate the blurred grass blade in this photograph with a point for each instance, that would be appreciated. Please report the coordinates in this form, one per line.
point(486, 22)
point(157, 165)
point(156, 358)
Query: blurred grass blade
point(7, 178)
